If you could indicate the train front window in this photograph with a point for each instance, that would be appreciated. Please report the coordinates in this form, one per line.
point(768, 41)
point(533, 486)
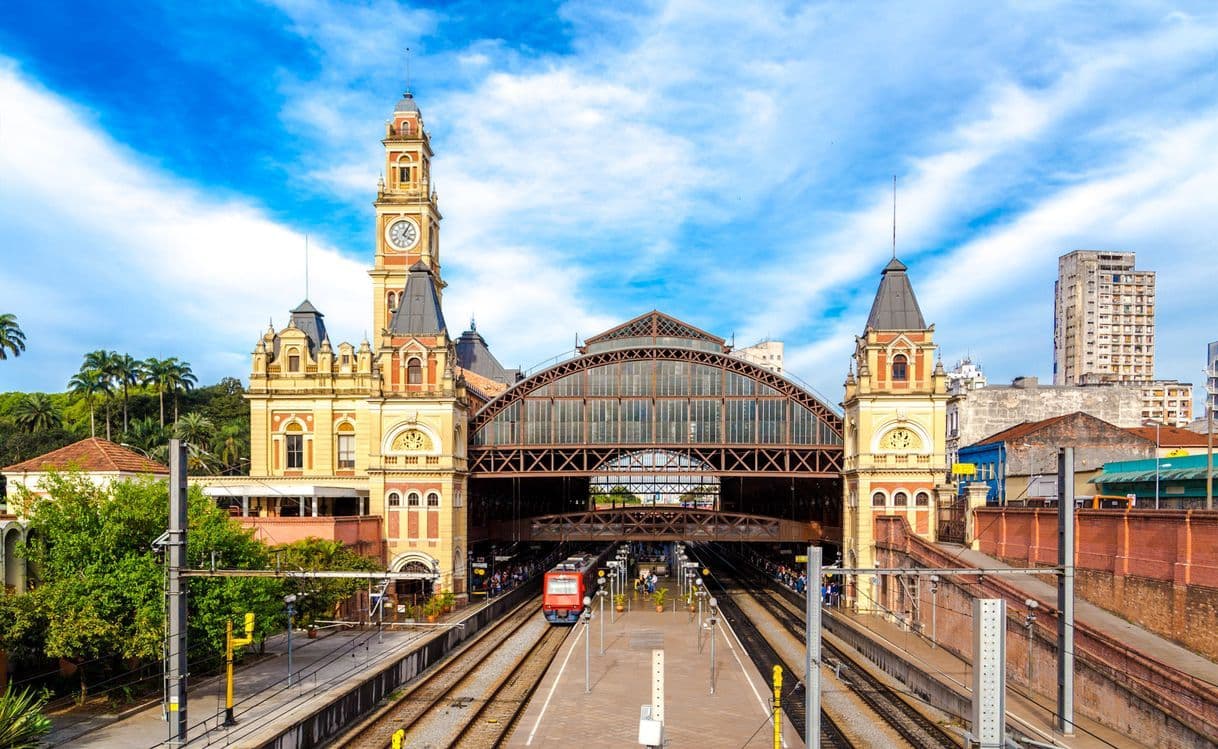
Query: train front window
point(562, 586)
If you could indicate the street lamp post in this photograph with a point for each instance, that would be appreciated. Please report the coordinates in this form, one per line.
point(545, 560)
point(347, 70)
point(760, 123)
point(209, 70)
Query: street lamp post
point(1028, 619)
point(587, 617)
point(600, 594)
point(934, 610)
point(714, 609)
point(290, 601)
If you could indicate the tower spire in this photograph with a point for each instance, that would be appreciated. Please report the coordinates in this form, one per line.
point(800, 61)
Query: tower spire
point(894, 217)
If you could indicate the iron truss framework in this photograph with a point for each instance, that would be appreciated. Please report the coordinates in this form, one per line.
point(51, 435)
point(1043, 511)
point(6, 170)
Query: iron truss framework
point(821, 461)
point(673, 524)
point(720, 457)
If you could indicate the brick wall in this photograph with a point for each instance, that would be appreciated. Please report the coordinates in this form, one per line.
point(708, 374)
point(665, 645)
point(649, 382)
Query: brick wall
point(1156, 568)
point(1146, 699)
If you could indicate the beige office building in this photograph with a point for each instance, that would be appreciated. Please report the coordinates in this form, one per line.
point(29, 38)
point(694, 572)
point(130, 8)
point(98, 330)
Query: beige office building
point(1104, 319)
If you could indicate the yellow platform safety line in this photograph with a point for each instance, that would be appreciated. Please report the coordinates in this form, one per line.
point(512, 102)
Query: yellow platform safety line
point(778, 707)
point(398, 736)
point(230, 643)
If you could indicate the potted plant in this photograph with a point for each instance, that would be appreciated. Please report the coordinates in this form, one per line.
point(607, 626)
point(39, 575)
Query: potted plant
point(619, 602)
point(660, 597)
point(448, 600)
point(431, 610)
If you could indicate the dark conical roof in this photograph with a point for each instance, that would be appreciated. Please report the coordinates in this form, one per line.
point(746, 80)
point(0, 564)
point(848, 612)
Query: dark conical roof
point(307, 318)
point(407, 104)
point(419, 311)
point(895, 306)
point(474, 355)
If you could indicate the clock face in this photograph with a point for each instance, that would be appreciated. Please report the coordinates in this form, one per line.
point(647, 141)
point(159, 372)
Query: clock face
point(403, 234)
point(899, 439)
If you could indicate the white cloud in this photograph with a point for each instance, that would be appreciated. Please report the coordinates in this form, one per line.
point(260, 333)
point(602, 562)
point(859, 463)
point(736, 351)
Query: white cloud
point(119, 254)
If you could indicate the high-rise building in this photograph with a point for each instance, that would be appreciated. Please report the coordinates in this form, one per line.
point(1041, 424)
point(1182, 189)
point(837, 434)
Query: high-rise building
point(1104, 319)
point(766, 354)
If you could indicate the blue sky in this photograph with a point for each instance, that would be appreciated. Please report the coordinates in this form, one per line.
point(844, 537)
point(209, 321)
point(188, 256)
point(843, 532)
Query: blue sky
point(729, 163)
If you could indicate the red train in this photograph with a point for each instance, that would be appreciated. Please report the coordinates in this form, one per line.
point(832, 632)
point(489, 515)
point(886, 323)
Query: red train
point(564, 588)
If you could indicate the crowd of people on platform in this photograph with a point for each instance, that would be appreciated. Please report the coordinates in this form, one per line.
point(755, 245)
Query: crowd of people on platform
point(796, 579)
point(508, 575)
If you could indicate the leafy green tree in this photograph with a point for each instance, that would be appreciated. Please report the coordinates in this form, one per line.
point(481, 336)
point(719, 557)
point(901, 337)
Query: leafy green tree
point(89, 384)
point(12, 340)
point(37, 413)
point(323, 595)
point(22, 722)
point(98, 572)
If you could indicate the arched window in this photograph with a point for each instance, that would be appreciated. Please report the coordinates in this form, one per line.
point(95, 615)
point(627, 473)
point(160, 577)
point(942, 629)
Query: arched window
point(414, 372)
point(412, 499)
point(293, 360)
point(395, 499)
point(900, 368)
point(922, 499)
point(900, 499)
point(877, 499)
point(345, 446)
point(433, 499)
point(393, 301)
point(293, 445)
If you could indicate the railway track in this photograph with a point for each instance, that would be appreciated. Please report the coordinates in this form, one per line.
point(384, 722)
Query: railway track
point(764, 655)
point(787, 607)
point(451, 707)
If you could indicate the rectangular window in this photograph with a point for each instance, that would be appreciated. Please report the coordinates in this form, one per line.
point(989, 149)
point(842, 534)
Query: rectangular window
point(562, 586)
point(295, 448)
point(293, 363)
point(346, 451)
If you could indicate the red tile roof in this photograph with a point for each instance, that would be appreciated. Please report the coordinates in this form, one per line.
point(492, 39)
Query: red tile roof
point(1170, 436)
point(1019, 431)
point(92, 455)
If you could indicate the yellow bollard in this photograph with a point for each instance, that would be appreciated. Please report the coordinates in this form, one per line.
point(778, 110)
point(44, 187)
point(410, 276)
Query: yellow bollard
point(778, 707)
point(398, 736)
point(231, 642)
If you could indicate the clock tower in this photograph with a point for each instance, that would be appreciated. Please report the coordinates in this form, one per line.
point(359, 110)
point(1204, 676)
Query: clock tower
point(407, 216)
point(895, 430)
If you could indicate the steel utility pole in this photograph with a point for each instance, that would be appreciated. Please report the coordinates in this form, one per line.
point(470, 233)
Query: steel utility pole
point(175, 707)
point(1065, 590)
point(812, 659)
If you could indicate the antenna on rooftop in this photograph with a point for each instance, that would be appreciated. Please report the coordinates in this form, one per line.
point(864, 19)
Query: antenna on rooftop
point(306, 266)
point(894, 217)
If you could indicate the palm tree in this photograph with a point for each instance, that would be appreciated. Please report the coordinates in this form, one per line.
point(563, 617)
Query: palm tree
point(156, 374)
point(103, 362)
point(180, 379)
point(11, 337)
point(37, 413)
point(146, 434)
point(89, 383)
point(127, 371)
point(194, 428)
point(230, 448)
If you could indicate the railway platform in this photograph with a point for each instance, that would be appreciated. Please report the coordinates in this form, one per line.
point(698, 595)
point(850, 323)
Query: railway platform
point(737, 714)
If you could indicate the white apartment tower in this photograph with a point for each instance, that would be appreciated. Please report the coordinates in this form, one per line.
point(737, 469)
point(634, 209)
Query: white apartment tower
point(1104, 319)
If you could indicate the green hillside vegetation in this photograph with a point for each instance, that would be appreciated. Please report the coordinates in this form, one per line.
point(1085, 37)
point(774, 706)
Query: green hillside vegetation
point(140, 403)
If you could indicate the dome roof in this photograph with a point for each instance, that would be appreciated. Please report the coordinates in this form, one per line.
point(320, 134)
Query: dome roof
point(406, 104)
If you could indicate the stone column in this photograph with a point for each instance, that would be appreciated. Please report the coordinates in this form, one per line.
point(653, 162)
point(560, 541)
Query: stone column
point(976, 495)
